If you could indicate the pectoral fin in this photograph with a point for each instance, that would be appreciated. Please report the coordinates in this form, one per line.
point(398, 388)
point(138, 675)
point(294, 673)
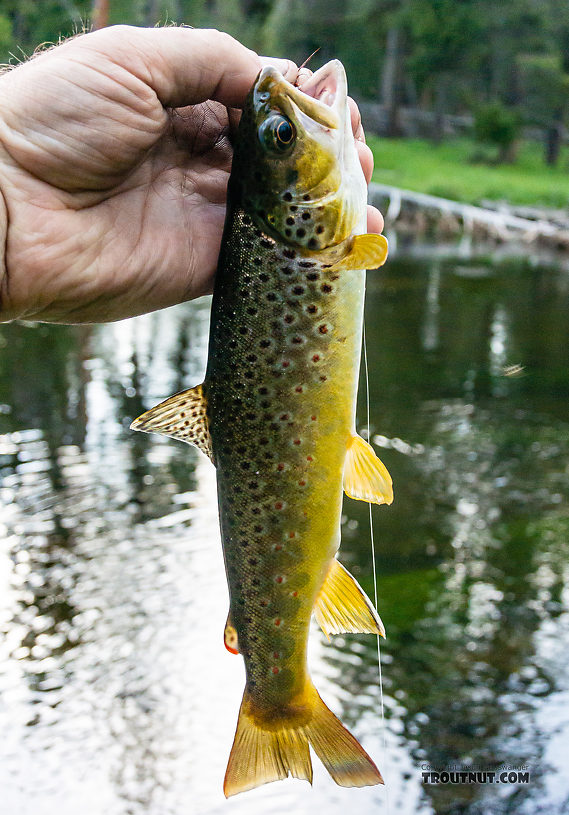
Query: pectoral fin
point(366, 252)
point(365, 476)
point(182, 417)
point(342, 605)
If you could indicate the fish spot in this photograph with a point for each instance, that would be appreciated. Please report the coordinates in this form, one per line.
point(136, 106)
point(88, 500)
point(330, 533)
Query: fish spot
point(284, 417)
point(263, 277)
point(253, 561)
point(298, 290)
point(288, 232)
point(280, 467)
point(300, 233)
point(244, 543)
point(294, 594)
point(326, 288)
point(302, 483)
point(245, 465)
point(289, 253)
point(319, 229)
point(288, 318)
point(290, 221)
point(316, 358)
point(271, 296)
point(297, 340)
point(263, 391)
point(263, 440)
point(277, 547)
point(252, 311)
point(251, 358)
point(293, 208)
point(277, 621)
point(297, 442)
point(267, 243)
point(257, 528)
point(276, 655)
point(287, 196)
point(298, 389)
point(265, 343)
point(323, 378)
point(313, 418)
point(306, 197)
point(279, 579)
point(309, 458)
point(323, 329)
point(275, 670)
point(306, 216)
point(287, 270)
point(313, 243)
point(285, 363)
point(264, 603)
point(312, 309)
point(253, 485)
point(278, 505)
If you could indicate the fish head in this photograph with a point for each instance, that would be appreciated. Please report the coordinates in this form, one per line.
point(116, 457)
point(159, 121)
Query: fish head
point(295, 166)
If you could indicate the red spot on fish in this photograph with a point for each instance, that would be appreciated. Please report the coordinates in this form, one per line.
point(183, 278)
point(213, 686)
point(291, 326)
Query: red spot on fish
point(284, 417)
point(298, 389)
point(316, 358)
point(275, 669)
point(313, 418)
point(276, 655)
point(296, 441)
point(264, 602)
point(286, 363)
point(292, 534)
point(278, 579)
point(278, 621)
point(278, 505)
point(278, 547)
point(302, 483)
point(309, 458)
point(280, 467)
point(295, 594)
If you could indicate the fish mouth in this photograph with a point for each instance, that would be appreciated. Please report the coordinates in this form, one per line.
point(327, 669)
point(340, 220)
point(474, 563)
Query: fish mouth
point(322, 97)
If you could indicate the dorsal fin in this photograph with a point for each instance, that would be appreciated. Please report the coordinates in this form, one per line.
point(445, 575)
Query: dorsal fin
point(342, 605)
point(365, 475)
point(182, 416)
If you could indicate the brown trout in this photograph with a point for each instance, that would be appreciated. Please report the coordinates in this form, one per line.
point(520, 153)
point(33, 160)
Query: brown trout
point(276, 415)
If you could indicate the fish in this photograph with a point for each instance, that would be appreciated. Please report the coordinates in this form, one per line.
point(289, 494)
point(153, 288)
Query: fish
point(276, 416)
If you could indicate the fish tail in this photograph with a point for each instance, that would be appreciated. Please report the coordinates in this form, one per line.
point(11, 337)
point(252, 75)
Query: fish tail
point(269, 749)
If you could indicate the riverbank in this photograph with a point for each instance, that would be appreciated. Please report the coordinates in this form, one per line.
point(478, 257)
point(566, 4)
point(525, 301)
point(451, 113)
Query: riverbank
point(447, 171)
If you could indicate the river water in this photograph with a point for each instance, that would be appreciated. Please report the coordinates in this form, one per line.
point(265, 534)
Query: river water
point(117, 696)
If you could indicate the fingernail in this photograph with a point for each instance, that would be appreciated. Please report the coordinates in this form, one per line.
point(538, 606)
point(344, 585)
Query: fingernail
point(283, 65)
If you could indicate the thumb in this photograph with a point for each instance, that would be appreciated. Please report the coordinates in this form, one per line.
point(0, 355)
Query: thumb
point(184, 66)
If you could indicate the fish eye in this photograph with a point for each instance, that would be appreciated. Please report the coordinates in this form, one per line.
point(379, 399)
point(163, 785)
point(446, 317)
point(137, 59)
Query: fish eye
point(277, 133)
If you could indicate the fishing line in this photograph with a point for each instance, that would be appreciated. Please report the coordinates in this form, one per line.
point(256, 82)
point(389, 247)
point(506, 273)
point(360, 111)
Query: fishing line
point(379, 671)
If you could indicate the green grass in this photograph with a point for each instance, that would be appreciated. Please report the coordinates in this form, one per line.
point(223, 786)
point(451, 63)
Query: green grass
point(447, 170)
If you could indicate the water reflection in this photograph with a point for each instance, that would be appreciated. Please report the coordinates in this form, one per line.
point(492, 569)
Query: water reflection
point(114, 683)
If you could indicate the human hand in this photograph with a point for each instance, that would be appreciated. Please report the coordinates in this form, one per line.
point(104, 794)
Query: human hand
point(114, 162)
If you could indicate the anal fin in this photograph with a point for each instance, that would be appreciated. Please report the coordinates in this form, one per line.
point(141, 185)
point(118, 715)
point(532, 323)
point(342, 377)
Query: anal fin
point(182, 416)
point(365, 476)
point(366, 252)
point(342, 605)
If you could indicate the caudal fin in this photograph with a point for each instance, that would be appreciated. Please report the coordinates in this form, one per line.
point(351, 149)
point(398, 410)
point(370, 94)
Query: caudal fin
point(268, 752)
